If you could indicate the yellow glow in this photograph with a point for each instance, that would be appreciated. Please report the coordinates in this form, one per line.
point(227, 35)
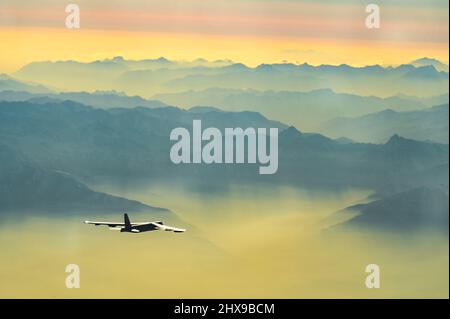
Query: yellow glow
point(248, 243)
point(24, 45)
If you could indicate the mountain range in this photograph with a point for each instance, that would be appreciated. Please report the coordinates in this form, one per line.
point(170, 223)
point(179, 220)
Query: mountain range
point(438, 65)
point(378, 128)
point(72, 144)
point(427, 124)
point(305, 110)
point(24, 186)
point(417, 209)
point(8, 83)
point(100, 99)
point(149, 77)
point(133, 143)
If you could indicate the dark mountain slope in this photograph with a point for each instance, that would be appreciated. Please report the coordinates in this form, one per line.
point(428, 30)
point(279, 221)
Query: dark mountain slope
point(24, 186)
point(428, 124)
point(416, 209)
point(134, 143)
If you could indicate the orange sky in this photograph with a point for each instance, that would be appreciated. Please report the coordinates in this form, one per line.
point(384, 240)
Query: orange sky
point(247, 31)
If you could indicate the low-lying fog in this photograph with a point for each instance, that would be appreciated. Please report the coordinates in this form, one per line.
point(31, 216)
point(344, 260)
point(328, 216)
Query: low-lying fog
point(245, 242)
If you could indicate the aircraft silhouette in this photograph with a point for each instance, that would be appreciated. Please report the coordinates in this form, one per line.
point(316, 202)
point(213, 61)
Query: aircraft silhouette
point(128, 227)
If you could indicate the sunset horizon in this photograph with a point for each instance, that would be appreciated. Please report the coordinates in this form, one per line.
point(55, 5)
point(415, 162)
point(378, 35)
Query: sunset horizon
point(282, 149)
point(251, 32)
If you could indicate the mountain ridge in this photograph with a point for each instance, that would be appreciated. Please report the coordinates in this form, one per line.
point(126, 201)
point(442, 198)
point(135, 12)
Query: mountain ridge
point(51, 190)
point(148, 77)
point(424, 124)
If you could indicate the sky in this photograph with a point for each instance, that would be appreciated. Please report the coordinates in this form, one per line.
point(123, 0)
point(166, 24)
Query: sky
point(248, 31)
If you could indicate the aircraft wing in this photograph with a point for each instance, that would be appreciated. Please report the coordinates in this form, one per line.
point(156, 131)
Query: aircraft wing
point(109, 224)
point(169, 228)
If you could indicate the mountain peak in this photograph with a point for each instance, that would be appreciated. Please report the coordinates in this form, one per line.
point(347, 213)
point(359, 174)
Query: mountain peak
point(162, 59)
point(395, 139)
point(388, 112)
point(426, 60)
point(265, 67)
point(438, 65)
point(4, 76)
point(292, 131)
point(235, 66)
point(398, 142)
point(203, 109)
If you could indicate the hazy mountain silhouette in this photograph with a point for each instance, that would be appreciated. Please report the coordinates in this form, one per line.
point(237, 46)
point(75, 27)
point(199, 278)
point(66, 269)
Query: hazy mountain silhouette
point(9, 83)
point(24, 186)
point(421, 208)
point(134, 143)
point(148, 77)
point(438, 65)
point(370, 80)
point(110, 74)
point(303, 109)
point(132, 146)
point(432, 177)
point(427, 124)
point(119, 142)
point(101, 99)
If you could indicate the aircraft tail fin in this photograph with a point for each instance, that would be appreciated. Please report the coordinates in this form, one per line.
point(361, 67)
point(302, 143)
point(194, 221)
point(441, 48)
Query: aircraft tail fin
point(127, 221)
